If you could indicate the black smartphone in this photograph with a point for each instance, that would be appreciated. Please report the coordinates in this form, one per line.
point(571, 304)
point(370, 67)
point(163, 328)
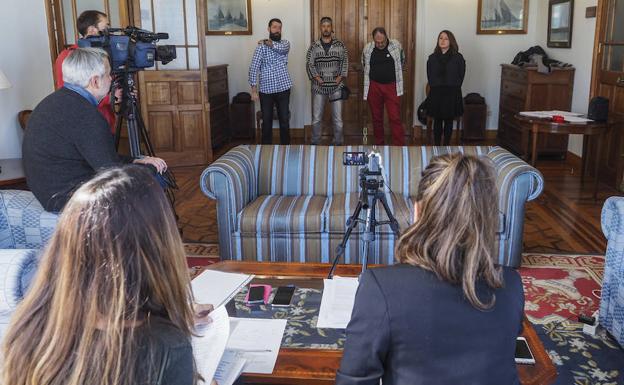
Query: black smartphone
point(523, 352)
point(256, 294)
point(283, 296)
point(354, 158)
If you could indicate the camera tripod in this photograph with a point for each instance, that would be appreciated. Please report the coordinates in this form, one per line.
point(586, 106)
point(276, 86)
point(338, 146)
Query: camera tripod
point(138, 137)
point(370, 195)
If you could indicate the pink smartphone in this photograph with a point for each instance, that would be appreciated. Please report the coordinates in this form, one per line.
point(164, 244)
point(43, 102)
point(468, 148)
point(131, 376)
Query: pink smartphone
point(258, 294)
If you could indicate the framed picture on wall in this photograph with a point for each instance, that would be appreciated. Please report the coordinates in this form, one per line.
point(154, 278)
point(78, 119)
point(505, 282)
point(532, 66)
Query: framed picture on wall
point(228, 17)
point(560, 14)
point(502, 16)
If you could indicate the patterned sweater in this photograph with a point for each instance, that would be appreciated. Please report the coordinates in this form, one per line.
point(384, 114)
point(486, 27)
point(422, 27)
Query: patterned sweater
point(328, 66)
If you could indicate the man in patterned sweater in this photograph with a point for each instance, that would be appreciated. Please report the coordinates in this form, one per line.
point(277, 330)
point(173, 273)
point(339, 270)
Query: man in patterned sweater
point(327, 67)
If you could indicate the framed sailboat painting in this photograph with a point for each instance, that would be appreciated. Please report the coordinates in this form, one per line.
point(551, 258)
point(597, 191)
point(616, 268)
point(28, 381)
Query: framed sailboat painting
point(228, 17)
point(502, 17)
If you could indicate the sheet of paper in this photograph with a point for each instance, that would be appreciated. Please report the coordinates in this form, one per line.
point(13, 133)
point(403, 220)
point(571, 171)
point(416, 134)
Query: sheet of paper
point(259, 341)
point(218, 288)
point(566, 113)
point(576, 119)
point(209, 344)
point(337, 303)
point(230, 367)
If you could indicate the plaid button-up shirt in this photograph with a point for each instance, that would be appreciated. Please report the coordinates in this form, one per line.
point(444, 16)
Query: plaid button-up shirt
point(272, 64)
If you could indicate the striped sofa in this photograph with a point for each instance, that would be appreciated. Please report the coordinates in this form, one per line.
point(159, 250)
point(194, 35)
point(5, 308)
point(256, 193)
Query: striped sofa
point(290, 203)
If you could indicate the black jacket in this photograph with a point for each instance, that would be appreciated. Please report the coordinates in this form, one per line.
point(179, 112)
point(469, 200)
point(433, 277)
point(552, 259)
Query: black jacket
point(66, 141)
point(165, 352)
point(410, 328)
point(446, 70)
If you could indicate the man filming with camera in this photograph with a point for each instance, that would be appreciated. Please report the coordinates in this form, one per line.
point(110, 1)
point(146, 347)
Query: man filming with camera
point(90, 23)
point(67, 139)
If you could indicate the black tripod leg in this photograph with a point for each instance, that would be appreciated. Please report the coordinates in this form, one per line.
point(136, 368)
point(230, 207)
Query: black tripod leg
point(340, 249)
point(394, 224)
point(118, 125)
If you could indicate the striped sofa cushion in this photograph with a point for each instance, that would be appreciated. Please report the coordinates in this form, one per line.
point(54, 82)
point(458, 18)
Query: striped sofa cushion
point(281, 214)
point(341, 206)
point(318, 170)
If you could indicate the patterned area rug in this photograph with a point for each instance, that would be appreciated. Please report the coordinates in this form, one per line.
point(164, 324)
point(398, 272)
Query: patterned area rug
point(201, 254)
point(557, 288)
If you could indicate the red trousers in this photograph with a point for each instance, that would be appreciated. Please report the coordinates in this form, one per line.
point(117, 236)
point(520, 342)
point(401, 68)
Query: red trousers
point(380, 95)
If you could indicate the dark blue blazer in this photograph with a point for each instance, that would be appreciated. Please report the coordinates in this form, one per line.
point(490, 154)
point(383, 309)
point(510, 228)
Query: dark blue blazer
point(410, 328)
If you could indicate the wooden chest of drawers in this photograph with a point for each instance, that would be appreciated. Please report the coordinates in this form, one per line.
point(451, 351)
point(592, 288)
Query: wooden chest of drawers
point(219, 99)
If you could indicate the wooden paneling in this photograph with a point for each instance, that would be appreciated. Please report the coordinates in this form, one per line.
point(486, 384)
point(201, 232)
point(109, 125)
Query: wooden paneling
point(161, 130)
point(527, 90)
point(605, 83)
point(173, 105)
point(219, 100)
point(189, 93)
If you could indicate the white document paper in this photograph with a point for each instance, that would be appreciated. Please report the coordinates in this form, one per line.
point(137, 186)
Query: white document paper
point(209, 344)
point(230, 367)
point(218, 288)
point(259, 341)
point(576, 119)
point(337, 303)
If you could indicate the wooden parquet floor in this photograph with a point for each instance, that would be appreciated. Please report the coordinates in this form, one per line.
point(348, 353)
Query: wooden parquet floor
point(564, 219)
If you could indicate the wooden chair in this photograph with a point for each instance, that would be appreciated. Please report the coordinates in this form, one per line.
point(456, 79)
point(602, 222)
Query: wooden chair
point(22, 118)
point(429, 130)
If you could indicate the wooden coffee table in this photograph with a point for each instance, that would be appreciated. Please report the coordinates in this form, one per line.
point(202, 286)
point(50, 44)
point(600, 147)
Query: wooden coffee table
point(319, 366)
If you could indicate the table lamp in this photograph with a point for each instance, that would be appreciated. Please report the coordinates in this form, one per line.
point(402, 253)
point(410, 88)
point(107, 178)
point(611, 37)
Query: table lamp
point(4, 82)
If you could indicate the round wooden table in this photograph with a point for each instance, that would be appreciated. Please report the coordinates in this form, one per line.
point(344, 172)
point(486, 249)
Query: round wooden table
point(547, 126)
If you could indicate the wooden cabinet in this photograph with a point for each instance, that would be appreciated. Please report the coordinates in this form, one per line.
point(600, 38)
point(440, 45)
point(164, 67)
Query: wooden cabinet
point(219, 99)
point(525, 89)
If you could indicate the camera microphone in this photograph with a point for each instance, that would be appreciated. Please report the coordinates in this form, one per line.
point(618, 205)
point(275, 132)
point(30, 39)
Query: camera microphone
point(161, 35)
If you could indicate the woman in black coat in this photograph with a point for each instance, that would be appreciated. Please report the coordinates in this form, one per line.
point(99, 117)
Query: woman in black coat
point(445, 314)
point(445, 72)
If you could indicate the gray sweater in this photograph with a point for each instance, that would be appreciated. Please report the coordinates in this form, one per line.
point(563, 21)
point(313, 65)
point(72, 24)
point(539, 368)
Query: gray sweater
point(328, 66)
point(66, 141)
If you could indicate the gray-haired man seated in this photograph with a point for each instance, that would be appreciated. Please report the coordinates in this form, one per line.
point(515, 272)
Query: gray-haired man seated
point(67, 139)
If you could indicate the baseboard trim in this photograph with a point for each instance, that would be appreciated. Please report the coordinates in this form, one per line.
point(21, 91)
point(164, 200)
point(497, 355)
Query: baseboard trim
point(420, 132)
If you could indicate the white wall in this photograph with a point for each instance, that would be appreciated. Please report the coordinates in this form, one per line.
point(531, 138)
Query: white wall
point(580, 54)
point(483, 53)
point(25, 60)
point(238, 50)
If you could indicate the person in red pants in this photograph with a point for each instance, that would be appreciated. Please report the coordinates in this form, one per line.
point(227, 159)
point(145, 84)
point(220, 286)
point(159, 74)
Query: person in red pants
point(383, 61)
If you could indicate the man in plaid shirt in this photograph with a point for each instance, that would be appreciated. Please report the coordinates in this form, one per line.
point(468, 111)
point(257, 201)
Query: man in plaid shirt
point(271, 60)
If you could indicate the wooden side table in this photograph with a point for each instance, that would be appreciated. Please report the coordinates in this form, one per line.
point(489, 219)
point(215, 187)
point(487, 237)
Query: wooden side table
point(587, 129)
point(11, 172)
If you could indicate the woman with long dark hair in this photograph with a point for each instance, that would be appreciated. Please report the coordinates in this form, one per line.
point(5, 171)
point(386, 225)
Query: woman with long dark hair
point(444, 314)
point(445, 73)
point(111, 302)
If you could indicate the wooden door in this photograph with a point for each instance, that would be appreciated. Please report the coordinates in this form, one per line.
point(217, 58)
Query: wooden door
point(173, 99)
point(608, 81)
point(354, 21)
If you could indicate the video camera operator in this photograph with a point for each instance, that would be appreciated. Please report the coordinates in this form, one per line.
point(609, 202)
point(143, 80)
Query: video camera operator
point(90, 23)
point(67, 140)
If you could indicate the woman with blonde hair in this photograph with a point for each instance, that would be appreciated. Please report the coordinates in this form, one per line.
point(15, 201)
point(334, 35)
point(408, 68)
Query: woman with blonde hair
point(445, 313)
point(111, 302)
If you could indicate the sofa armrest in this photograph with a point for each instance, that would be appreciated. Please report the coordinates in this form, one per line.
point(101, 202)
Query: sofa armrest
point(232, 181)
point(517, 183)
point(612, 218)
